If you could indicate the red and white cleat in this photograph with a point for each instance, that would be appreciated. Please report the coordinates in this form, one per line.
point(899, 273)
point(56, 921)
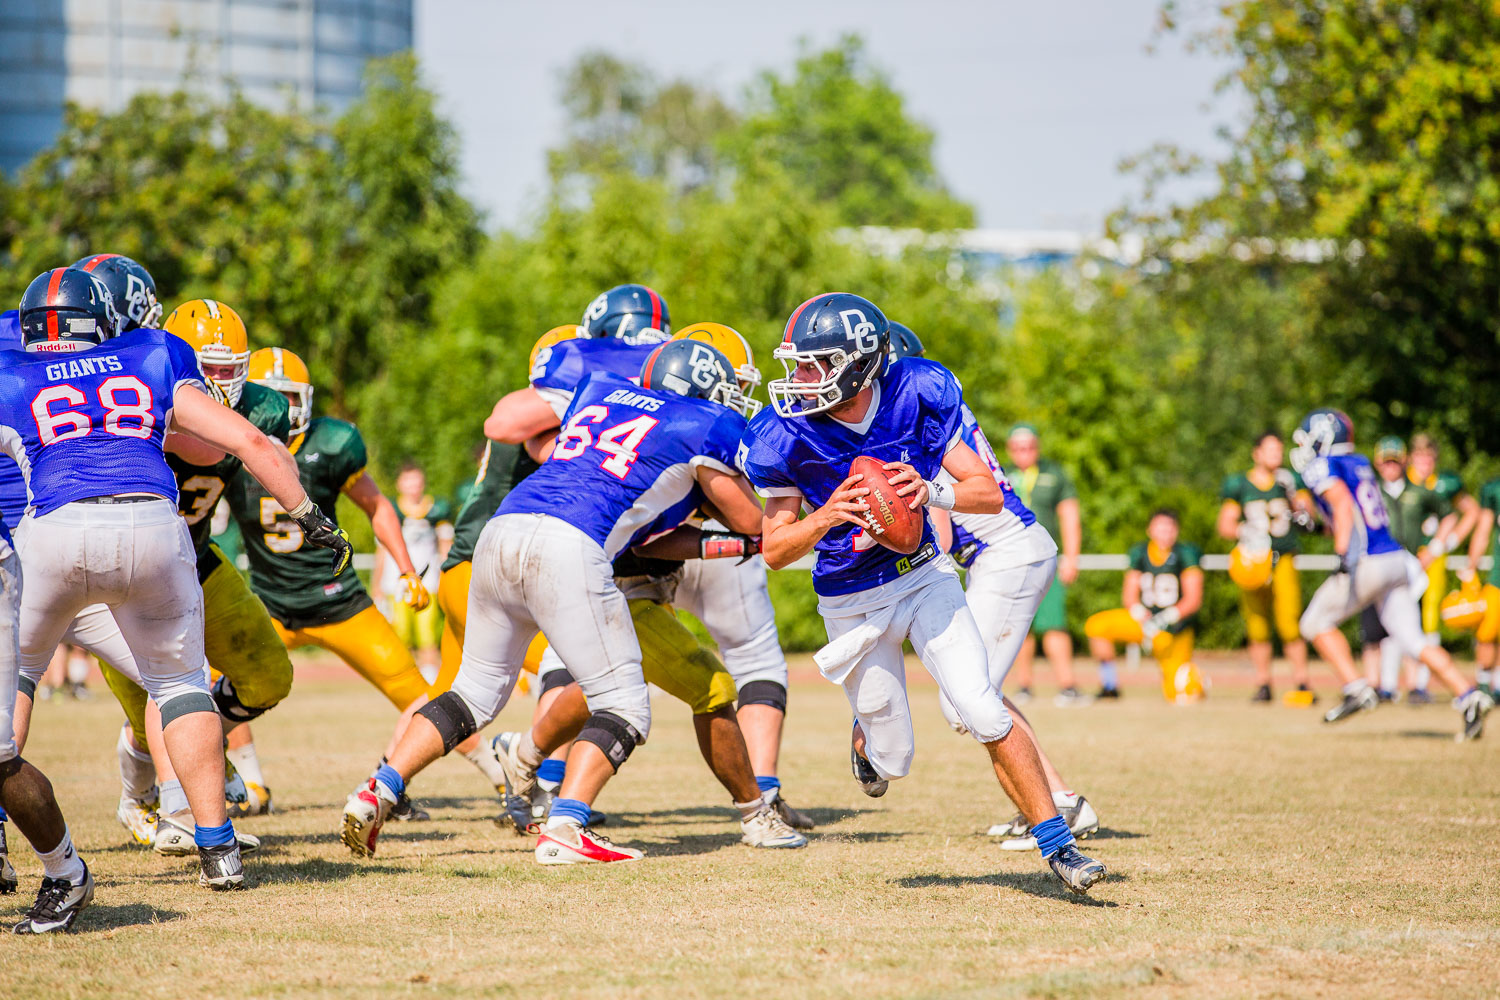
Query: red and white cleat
point(364, 814)
point(574, 845)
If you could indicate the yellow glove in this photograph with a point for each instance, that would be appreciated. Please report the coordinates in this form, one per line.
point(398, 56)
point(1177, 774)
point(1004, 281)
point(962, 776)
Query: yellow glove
point(413, 594)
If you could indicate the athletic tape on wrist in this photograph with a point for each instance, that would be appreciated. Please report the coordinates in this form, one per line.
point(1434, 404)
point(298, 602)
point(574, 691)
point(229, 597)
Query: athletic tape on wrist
point(302, 509)
point(940, 495)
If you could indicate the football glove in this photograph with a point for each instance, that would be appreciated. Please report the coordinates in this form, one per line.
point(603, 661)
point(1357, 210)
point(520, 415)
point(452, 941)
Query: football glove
point(727, 545)
point(321, 531)
point(1348, 560)
point(413, 592)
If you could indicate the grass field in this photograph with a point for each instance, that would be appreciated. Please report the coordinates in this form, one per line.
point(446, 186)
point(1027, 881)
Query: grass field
point(1252, 852)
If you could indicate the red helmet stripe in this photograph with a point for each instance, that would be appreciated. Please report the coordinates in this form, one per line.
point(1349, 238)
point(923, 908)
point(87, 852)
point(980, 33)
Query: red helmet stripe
point(786, 337)
point(52, 286)
point(650, 363)
point(98, 259)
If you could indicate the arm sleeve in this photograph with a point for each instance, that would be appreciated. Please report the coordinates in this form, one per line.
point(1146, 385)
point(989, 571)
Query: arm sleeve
point(1231, 489)
point(183, 362)
point(1318, 475)
point(765, 467)
point(274, 417)
point(722, 443)
point(946, 425)
point(1191, 555)
point(352, 457)
point(1065, 488)
point(1489, 496)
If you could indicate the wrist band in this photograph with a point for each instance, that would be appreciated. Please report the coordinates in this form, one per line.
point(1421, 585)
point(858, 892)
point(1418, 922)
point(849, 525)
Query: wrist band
point(302, 509)
point(1171, 615)
point(939, 495)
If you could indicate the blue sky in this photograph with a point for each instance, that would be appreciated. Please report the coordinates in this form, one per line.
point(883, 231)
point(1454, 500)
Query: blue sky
point(1034, 105)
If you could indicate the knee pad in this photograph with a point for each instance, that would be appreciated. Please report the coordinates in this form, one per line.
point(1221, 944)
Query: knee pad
point(555, 679)
point(25, 685)
point(230, 706)
point(764, 693)
point(186, 704)
point(615, 737)
point(451, 717)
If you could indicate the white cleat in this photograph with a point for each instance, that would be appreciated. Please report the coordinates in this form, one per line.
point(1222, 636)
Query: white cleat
point(139, 818)
point(364, 814)
point(766, 828)
point(574, 845)
point(174, 839)
point(1081, 819)
point(57, 905)
point(519, 779)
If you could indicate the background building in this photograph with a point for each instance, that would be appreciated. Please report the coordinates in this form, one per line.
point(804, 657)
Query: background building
point(99, 53)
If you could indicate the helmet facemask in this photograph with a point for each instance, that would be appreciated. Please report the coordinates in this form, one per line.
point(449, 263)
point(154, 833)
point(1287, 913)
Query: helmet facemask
point(227, 369)
point(842, 376)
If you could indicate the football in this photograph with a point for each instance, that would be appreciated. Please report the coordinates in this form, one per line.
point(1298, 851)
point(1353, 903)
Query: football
point(891, 522)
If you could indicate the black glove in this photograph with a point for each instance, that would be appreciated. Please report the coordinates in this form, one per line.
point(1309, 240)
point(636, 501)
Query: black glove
point(325, 534)
point(727, 544)
point(1348, 560)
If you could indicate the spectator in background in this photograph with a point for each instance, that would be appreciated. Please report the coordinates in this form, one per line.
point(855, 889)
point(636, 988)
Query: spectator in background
point(1045, 488)
point(427, 527)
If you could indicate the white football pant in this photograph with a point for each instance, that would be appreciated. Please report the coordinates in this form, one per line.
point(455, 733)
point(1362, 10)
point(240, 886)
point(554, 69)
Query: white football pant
point(10, 650)
point(732, 601)
point(533, 572)
point(1384, 581)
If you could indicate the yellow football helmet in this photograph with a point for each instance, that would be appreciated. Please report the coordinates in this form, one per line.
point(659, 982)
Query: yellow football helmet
point(218, 337)
point(733, 346)
point(280, 369)
point(1463, 609)
point(1250, 567)
point(556, 335)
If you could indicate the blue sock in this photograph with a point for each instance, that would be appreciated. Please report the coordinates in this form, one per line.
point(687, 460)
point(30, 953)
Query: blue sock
point(571, 809)
point(3, 817)
point(1108, 678)
point(391, 778)
point(1052, 835)
point(214, 836)
point(552, 771)
point(766, 783)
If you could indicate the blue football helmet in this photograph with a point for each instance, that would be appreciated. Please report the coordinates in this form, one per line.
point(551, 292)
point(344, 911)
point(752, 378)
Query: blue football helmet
point(67, 310)
point(130, 285)
point(693, 369)
point(633, 313)
point(1322, 432)
point(842, 338)
point(904, 343)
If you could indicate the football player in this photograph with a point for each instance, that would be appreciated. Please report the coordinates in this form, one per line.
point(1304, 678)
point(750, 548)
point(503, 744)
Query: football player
point(631, 314)
point(427, 527)
point(1440, 537)
point(836, 403)
point(1374, 569)
point(1485, 597)
point(626, 456)
point(89, 410)
point(1010, 561)
point(1162, 593)
point(1259, 511)
point(307, 604)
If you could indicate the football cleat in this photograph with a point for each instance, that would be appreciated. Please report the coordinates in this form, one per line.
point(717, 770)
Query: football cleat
point(222, 867)
point(870, 782)
point(1418, 697)
point(139, 818)
point(541, 801)
point(1017, 827)
point(235, 792)
point(9, 880)
point(1110, 693)
point(1077, 870)
point(1022, 696)
point(1262, 694)
point(574, 845)
point(366, 811)
point(792, 817)
point(766, 828)
point(1071, 697)
point(407, 811)
point(519, 779)
point(57, 905)
point(174, 839)
point(257, 802)
point(1362, 699)
point(1475, 705)
point(519, 814)
point(1080, 817)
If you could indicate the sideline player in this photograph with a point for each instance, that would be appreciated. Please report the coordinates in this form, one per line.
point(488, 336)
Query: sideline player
point(1259, 511)
point(1010, 562)
point(1487, 629)
point(1373, 570)
point(1440, 538)
point(1162, 593)
point(427, 528)
point(104, 501)
point(625, 457)
point(835, 404)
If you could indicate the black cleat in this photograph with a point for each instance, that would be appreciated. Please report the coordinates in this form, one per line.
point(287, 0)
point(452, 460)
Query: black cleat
point(871, 783)
point(1077, 870)
point(1112, 693)
point(1475, 705)
point(9, 880)
point(222, 867)
point(407, 811)
point(58, 904)
point(1364, 698)
point(1418, 697)
point(1262, 694)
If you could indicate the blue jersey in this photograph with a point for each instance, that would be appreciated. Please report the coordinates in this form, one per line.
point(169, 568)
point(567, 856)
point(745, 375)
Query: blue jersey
point(91, 424)
point(12, 483)
point(973, 533)
point(625, 456)
point(560, 368)
point(1372, 532)
point(916, 416)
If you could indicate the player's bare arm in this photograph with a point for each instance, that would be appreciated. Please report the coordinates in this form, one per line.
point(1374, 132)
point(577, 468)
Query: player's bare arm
point(221, 428)
point(974, 488)
point(1341, 508)
point(785, 538)
point(1192, 592)
point(942, 527)
point(1228, 524)
point(1479, 541)
point(1130, 594)
point(1070, 524)
point(731, 498)
point(192, 450)
point(520, 416)
point(382, 514)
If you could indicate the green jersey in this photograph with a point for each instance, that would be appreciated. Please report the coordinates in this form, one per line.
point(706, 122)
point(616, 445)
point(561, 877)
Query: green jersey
point(296, 580)
point(1161, 582)
point(1267, 510)
point(1489, 499)
point(1414, 511)
point(1041, 488)
point(500, 469)
point(199, 487)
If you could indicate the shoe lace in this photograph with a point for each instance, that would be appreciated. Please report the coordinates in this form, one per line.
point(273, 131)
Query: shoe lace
point(596, 836)
point(50, 898)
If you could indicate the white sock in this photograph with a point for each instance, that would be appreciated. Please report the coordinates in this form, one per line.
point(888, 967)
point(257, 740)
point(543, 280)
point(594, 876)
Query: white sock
point(1482, 677)
point(748, 809)
point(1424, 676)
point(554, 822)
point(1355, 687)
point(173, 799)
point(247, 763)
point(528, 753)
point(1390, 665)
point(1064, 799)
point(78, 669)
point(137, 773)
point(483, 758)
point(62, 861)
